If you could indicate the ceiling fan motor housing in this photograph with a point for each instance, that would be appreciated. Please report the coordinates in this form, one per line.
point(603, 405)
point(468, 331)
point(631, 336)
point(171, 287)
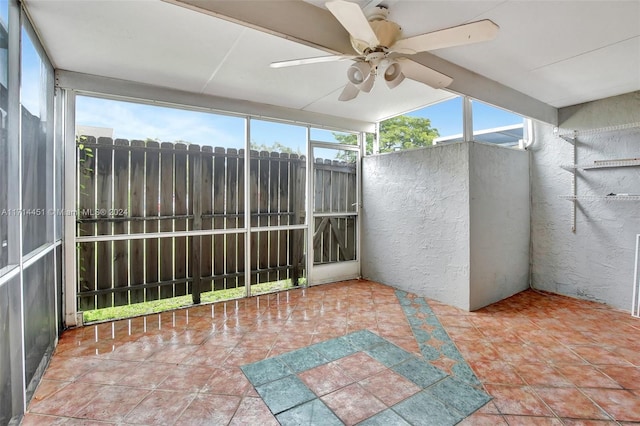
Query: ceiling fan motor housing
point(387, 32)
point(379, 43)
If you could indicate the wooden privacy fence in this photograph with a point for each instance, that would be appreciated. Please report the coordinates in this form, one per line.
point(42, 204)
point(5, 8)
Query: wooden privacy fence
point(138, 187)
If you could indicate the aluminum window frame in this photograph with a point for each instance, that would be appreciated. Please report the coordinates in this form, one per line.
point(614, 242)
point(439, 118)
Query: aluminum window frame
point(71, 85)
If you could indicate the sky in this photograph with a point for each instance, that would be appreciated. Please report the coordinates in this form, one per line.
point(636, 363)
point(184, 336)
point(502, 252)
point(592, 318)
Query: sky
point(31, 74)
point(139, 121)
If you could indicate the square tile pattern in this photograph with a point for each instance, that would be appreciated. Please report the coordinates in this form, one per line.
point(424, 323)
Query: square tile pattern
point(360, 377)
point(544, 359)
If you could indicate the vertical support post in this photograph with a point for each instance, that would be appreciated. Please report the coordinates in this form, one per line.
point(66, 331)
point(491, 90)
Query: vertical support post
point(635, 308)
point(70, 186)
point(574, 183)
point(467, 119)
point(195, 161)
point(14, 201)
point(363, 143)
point(293, 207)
point(247, 206)
point(14, 198)
point(58, 182)
point(376, 140)
point(298, 208)
point(310, 204)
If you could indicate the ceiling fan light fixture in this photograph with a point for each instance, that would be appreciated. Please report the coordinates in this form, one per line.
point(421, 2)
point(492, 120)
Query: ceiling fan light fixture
point(359, 73)
point(392, 72)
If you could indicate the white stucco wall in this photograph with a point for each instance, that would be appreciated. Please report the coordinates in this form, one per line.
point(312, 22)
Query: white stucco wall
point(499, 214)
point(415, 221)
point(596, 262)
point(449, 222)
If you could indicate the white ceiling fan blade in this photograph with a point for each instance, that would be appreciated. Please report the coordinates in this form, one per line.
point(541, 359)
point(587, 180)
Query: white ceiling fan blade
point(426, 75)
point(367, 84)
point(350, 92)
point(316, 60)
point(455, 36)
point(353, 20)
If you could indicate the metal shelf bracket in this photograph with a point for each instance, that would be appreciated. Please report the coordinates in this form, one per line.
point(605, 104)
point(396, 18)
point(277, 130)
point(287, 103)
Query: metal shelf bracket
point(570, 139)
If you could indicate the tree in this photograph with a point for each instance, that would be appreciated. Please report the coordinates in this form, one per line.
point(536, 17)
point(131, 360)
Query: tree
point(398, 133)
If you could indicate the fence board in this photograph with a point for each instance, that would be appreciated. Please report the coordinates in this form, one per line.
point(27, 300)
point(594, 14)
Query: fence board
point(86, 204)
point(328, 237)
point(340, 205)
point(104, 163)
point(180, 208)
point(195, 208)
point(120, 205)
point(206, 243)
point(272, 220)
point(152, 209)
point(318, 185)
point(320, 246)
point(136, 253)
point(284, 218)
point(263, 220)
point(240, 252)
point(166, 209)
point(254, 179)
point(232, 221)
point(298, 191)
point(351, 201)
point(338, 189)
point(219, 222)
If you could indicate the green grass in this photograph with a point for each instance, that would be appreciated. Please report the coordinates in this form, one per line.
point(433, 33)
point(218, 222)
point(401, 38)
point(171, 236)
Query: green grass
point(155, 306)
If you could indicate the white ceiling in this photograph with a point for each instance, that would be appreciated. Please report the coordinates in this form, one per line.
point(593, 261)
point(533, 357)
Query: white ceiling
point(547, 54)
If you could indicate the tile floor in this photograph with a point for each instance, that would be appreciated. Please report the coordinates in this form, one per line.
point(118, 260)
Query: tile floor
point(360, 378)
point(355, 352)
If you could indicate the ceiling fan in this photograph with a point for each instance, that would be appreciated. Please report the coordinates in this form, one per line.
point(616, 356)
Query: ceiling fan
point(381, 51)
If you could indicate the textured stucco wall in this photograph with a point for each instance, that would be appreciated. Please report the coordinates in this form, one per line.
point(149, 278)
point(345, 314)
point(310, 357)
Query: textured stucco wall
point(449, 222)
point(415, 221)
point(499, 214)
point(596, 262)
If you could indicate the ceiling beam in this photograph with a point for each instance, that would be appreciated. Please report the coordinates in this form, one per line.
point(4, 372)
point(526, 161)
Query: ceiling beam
point(471, 84)
point(305, 23)
point(145, 93)
point(294, 20)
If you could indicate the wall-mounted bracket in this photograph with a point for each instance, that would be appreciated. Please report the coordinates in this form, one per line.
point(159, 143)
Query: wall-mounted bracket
point(571, 139)
point(569, 167)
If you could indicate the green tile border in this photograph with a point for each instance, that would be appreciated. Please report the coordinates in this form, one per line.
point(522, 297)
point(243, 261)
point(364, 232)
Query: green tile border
point(290, 400)
point(421, 318)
